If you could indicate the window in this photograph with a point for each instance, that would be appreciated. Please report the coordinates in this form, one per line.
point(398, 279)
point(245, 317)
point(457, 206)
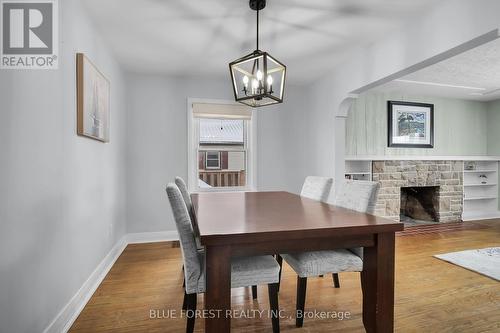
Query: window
point(222, 153)
point(212, 160)
point(220, 139)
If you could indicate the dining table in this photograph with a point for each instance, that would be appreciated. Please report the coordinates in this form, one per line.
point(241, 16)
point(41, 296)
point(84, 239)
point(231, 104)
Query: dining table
point(233, 224)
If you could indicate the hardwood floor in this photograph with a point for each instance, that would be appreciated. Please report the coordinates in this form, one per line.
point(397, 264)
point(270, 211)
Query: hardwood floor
point(431, 295)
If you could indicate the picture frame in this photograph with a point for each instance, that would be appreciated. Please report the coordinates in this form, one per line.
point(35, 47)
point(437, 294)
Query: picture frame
point(93, 100)
point(410, 125)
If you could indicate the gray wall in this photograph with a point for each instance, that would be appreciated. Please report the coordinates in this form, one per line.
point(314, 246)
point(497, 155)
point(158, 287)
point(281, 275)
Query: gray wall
point(459, 126)
point(62, 199)
point(494, 128)
point(494, 131)
point(157, 149)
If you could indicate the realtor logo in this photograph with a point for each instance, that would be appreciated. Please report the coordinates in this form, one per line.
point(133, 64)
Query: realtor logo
point(29, 34)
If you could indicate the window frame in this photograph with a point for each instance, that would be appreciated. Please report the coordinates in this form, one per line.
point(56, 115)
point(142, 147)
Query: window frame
point(218, 167)
point(250, 147)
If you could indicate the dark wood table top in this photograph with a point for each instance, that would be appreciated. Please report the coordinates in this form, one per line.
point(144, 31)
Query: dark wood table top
point(232, 217)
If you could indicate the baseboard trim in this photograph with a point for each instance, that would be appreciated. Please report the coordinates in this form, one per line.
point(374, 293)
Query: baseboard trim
point(67, 316)
point(152, 237)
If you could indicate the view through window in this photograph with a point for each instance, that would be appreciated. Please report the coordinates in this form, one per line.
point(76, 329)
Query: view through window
point(222, 153)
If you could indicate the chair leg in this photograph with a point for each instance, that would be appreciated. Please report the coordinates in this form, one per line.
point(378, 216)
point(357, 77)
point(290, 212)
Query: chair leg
point(279, 259)
point(183, 277)
point(254, 292)
point(191, 300)
point(301, 300)
point(184, 302)
point(336, 281)
point(273, 304)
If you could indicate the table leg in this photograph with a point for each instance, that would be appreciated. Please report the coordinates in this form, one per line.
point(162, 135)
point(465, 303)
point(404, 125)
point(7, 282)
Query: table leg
point(377, 281)
point(218, 288)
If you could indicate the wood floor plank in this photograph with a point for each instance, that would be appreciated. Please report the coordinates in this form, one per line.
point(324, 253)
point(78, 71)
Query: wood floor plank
point(430, 296)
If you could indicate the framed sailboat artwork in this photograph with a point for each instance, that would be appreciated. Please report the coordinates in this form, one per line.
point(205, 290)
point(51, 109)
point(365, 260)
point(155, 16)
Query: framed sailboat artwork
point(93, 93)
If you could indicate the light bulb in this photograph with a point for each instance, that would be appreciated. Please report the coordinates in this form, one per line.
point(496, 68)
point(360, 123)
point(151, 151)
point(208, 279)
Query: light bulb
point(255, 85)
point(269, 80)
point(245, 80)
point(259, 75)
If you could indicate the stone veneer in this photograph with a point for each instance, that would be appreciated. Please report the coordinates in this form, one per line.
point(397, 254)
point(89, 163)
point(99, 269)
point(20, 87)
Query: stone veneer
point(393, 175)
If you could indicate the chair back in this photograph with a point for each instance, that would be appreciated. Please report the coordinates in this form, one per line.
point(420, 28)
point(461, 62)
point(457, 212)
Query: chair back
point(317, 188)
point(358, 195)
point(181, 184)
point(190, 254)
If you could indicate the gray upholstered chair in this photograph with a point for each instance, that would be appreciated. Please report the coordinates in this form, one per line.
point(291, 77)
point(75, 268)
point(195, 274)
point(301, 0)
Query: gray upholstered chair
point(245, 271)
point(181, 184)
point(356, 195)
point(317, 188)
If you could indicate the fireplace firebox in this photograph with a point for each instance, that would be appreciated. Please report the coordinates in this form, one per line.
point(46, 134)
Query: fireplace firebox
point(419, 204)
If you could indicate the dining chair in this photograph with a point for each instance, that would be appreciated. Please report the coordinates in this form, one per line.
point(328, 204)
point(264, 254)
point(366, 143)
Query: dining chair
point(245, 271)
point(315, 188)
point(356, 195)
point(181, 184)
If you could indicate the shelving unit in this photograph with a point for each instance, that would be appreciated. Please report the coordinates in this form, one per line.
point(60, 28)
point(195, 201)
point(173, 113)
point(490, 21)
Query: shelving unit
point(481, 198)
point(358, 170)
point(480, 190)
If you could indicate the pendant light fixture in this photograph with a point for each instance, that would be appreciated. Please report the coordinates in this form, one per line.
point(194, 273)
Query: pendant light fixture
point(258, 78)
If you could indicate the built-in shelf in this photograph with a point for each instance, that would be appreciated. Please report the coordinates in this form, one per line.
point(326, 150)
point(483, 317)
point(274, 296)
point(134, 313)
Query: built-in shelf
point(358, 170)
point(358, 173)
point(421, 158)
point(480, 215)
point(480, 198)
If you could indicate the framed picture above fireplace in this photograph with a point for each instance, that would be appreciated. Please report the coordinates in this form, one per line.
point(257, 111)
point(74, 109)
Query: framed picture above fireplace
point(410, 125)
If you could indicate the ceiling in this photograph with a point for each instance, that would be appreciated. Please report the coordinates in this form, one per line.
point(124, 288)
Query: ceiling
point(200, 37)
point(472, 75)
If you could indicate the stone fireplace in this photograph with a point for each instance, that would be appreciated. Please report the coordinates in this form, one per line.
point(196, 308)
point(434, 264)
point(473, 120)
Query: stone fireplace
point(429, 189)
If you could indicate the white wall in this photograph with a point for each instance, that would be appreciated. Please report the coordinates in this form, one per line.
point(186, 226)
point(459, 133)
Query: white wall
point(62, 198)
point(157, 145)
point(460, 126)
point(426, 36)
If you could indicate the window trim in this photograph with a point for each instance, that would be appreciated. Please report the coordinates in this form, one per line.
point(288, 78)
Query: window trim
point(193, 139)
